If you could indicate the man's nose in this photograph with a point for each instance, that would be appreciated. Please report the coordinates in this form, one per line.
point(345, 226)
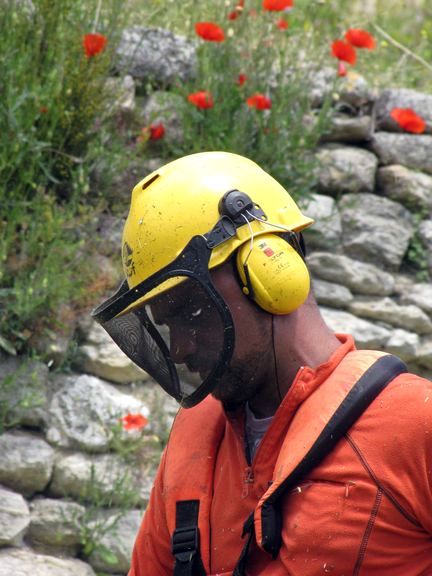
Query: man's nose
point(182, 344)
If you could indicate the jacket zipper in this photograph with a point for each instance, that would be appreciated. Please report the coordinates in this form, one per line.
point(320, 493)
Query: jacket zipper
point(248, 476)
point(248, 479)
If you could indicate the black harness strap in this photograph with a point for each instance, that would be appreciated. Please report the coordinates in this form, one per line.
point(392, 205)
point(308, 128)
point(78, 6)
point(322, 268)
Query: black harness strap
point(249, 530)
point(364, 391)
point(185, 542)
point(185, 539)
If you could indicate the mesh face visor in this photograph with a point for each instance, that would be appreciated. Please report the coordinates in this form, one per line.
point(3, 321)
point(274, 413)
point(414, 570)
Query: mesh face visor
point(174, 325)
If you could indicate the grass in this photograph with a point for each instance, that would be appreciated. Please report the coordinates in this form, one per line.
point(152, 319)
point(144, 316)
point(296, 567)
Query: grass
point(51, 121)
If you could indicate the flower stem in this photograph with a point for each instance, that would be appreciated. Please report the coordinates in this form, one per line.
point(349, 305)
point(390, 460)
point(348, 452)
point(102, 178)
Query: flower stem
point(401, 47)
point(96, 20)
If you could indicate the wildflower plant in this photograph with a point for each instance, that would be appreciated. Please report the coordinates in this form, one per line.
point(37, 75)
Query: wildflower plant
point(257, 62)
point(251, 94)
point(55, 59)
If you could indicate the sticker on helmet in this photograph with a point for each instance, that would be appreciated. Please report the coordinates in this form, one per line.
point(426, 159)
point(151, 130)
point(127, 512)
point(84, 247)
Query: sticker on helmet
point(128, 260)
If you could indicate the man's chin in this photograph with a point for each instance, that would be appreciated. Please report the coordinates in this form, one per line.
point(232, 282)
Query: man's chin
point(230, 399)
point(238, 385)
point(229, 404)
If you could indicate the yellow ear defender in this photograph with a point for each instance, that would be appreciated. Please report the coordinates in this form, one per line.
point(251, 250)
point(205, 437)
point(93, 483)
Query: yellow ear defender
point(273, 274)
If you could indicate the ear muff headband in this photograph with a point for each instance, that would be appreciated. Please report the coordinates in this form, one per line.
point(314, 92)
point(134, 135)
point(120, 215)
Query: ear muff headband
point(273, 274)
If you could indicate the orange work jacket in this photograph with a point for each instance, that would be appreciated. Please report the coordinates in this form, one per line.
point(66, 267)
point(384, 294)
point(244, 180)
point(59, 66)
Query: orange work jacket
point(366, 509)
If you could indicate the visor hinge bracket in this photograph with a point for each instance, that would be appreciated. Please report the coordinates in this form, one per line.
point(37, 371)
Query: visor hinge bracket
point(223, 230)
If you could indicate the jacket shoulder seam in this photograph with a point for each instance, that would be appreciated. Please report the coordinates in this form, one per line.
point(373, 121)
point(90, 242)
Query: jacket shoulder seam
point(379, 484)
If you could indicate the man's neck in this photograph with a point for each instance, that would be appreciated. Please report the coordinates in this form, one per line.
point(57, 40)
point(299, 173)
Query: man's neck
point(301, 339)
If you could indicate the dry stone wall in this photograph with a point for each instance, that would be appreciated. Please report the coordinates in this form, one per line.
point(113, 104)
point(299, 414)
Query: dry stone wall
point(72, 484)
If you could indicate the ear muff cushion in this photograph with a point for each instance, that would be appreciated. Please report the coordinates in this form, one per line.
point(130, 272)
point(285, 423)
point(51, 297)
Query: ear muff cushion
point(278, 276)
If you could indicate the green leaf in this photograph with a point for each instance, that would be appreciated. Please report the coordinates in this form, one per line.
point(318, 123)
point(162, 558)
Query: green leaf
point(108, 556)
point(7, 346)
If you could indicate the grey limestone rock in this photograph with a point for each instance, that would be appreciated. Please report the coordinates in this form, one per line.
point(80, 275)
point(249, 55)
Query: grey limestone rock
point(55, 525)
point(321, 84)
point(349, 129)
point(375, 229)
point(330, 294)
point(345, 169)
point(424, 352)
point(420, 102)
point(26, 462)
point(14, 518)
point(359, 277)
point(366, 334)
point(403, 344)
point(100, 356)
point(83, 414)
point(118, 533)
point(326, 232)
point(353, 89)
point(403, 284)
point(411, 150)
point(81, 476)
point(408, 316)
point(420, 295)
point(410, 188)
point(24, 562)
point(156, 55)
point(121, 93)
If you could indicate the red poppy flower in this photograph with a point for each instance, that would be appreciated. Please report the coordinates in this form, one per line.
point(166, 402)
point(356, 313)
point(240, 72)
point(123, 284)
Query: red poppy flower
point(241, 79)
point(408, 120)
point(282, 24)
point(233, 15)
point(344, 51)
point(342, 71)
point(94, 44)
point(202, 99)
point(259, 101)
point(157, 131)
point(152, 132)
point(43, 110)
point(210, 31)
point(133, 422)
point(360, 38)
point(277, 5)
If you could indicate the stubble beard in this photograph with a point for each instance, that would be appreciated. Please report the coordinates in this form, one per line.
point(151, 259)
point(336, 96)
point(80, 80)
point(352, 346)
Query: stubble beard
point(241, 382)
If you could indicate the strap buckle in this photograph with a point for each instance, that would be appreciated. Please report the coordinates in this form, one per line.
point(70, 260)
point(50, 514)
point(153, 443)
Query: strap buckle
point(185, 543)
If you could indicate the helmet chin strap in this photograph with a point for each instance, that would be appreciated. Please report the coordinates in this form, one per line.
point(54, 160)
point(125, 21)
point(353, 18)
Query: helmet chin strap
point(275, 360)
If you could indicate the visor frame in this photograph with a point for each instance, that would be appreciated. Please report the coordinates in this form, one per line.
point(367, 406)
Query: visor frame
point(192, 262)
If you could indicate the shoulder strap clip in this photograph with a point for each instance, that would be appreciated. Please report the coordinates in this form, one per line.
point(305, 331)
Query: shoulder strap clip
point(185, 543)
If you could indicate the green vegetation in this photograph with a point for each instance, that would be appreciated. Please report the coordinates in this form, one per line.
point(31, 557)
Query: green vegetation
point(21, 393)
point(96, 522)
point(55, 127)
point(52, 119)
point(402, 28)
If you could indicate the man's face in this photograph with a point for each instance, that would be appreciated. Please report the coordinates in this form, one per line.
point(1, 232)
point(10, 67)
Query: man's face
point(195, 333)
point(252, 360)
point(192, 328)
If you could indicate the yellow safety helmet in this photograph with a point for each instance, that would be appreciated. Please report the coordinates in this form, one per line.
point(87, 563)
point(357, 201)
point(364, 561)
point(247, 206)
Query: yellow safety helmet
point(182, 199)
